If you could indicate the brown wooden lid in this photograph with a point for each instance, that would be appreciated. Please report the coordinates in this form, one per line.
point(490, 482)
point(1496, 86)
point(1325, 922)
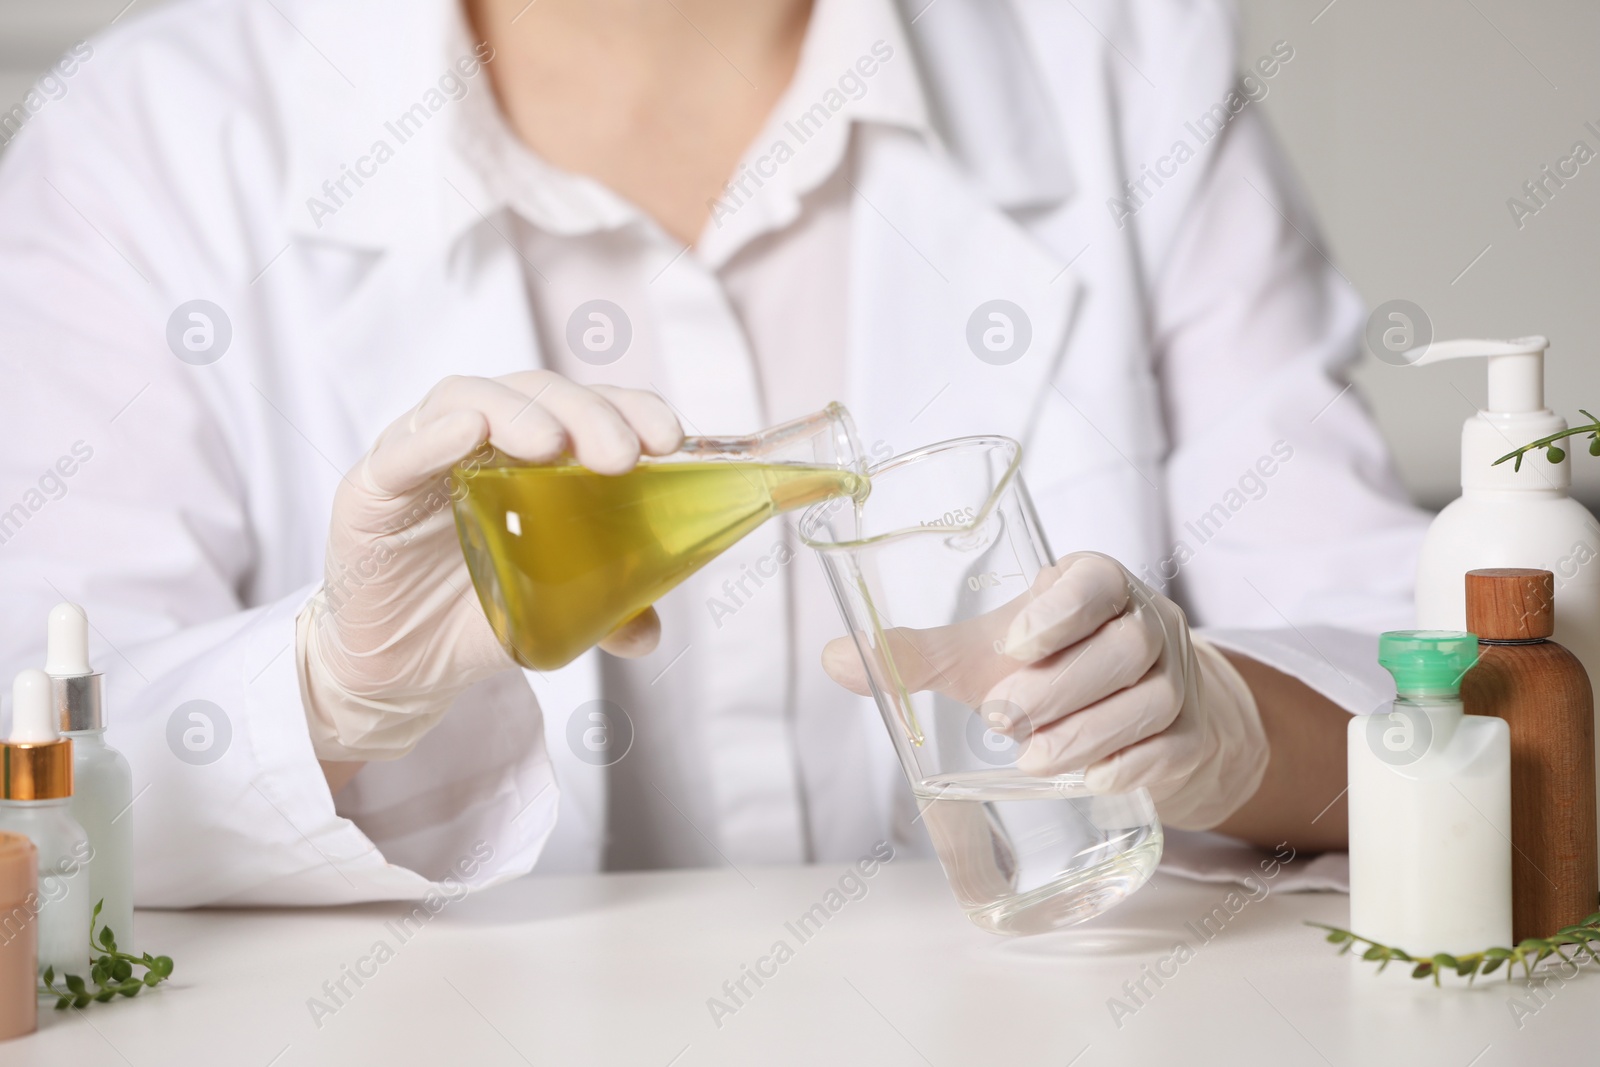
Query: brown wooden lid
point(1511, 604)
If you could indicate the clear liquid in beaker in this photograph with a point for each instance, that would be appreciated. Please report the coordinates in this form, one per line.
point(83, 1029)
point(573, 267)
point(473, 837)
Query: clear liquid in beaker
point(1026, 856)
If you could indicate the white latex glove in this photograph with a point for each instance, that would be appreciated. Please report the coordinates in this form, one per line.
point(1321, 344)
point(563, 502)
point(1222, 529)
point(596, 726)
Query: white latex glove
point(1099, 673)
point(396, 632)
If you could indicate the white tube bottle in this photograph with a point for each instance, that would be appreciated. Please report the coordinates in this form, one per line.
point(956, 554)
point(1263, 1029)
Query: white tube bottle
point(1513, 515)
point(35, 800)
point(1430, 807)
point(102, 792)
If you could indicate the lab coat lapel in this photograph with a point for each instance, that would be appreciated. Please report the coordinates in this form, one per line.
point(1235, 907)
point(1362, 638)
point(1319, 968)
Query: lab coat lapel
point(411, 310)
point(959, 317)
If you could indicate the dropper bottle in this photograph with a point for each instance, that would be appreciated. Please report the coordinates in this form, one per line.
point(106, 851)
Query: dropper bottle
point(36, 801)
point(102, 796)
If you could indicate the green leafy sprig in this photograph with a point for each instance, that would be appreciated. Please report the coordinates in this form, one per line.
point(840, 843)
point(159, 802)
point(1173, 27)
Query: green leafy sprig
point(1529, 954)
point(1553, 452)
point(111, 971)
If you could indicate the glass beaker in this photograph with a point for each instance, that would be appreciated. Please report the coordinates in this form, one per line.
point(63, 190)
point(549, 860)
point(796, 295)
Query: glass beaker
point(562, 556)
point(947, 536)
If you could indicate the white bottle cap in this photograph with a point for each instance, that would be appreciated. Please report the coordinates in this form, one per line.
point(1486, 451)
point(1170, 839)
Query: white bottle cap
point(67, 641)
point(33, 714)
point(1516, 414)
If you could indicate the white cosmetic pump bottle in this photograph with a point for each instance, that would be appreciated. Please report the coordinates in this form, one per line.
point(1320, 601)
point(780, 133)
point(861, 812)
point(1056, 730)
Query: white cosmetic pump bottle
point(1510, 517)
point(1430, 806)
point(36, 801)
point(102, 795)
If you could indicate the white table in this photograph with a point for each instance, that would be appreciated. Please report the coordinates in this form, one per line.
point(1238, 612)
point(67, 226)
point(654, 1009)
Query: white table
point(617, 969)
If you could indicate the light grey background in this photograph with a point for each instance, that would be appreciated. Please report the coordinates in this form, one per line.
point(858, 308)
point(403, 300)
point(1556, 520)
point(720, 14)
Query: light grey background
point(1411, 123)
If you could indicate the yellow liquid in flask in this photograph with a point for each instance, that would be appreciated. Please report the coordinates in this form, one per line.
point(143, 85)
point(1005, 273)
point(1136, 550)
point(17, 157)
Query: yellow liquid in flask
point(561, 556)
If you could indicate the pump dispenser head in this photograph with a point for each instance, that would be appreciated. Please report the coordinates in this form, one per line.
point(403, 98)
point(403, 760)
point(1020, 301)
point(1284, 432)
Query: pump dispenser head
point(1427, 662)
point(1516, 413)
point(35, 760)
point(76, 689)
point(1516, 369)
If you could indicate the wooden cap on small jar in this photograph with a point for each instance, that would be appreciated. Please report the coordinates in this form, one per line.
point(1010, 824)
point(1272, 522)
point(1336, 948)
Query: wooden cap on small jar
point(1511, 604)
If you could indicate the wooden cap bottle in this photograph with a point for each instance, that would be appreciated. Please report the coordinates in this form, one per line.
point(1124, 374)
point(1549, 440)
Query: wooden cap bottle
point(1542, 692)
point(19, 936)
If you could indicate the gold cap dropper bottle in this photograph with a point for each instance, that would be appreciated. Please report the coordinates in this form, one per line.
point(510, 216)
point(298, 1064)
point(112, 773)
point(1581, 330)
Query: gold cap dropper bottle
point(35, 761)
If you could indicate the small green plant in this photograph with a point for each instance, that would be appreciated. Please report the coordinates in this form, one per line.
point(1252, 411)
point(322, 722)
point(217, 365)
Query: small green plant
point(1554, 452)
point(111, 971)
point(1530, 953)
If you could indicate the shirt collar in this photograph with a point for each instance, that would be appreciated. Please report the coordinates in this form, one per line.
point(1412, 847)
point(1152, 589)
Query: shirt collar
point(855, 67)
point(430, 180)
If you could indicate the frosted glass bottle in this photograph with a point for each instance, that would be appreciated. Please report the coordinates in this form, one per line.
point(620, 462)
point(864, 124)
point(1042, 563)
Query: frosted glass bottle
point(36, 800)
point(64, 904)
point(102, 797)
point(1430, 807)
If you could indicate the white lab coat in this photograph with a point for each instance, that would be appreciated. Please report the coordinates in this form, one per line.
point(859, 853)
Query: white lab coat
point(1171, 355)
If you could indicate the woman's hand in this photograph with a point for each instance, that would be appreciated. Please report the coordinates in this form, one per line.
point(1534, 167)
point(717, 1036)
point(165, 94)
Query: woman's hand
point(1096, 672)
point(396, 633)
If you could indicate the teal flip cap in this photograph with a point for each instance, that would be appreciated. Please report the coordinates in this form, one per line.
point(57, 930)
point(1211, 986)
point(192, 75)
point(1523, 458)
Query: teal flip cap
point(1427, 661)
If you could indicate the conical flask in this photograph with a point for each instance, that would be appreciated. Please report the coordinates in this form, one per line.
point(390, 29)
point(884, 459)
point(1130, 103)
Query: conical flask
point(562, 556)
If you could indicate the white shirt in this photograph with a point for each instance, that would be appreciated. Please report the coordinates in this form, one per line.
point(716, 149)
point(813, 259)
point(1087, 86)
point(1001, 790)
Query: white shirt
point(767, 282)
point(1173, 356)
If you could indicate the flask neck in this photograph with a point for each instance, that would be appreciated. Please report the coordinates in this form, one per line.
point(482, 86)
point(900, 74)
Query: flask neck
point(826, 438)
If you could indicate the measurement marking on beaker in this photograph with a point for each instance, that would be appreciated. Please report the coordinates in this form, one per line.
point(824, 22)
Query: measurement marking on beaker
point(954, 517)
